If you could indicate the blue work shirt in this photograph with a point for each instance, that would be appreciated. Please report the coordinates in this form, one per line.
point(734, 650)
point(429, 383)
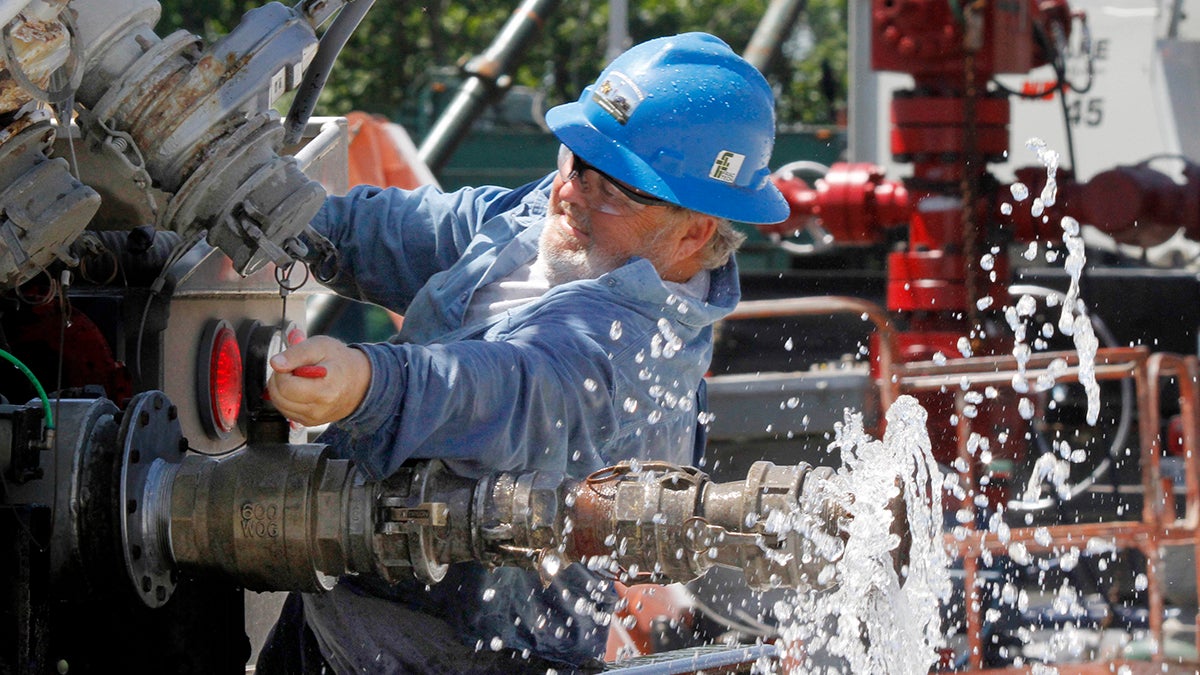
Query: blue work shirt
point(591, 373)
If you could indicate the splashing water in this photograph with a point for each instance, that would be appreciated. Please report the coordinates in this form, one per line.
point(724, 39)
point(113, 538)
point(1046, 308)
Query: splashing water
point(869, 623)
point(1073, 320)
point(1050, 469)
point(1015, 316)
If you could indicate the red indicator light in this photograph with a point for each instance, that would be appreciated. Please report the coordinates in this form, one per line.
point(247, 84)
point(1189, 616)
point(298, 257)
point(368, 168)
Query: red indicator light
point(225, 379)
point(219, 379)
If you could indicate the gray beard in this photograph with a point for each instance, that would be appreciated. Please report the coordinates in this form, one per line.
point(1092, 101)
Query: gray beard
point(563, 266)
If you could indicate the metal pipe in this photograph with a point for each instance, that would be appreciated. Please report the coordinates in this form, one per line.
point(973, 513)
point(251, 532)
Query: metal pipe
point(618, 28)
point(484, 73)
point(328, 139)
point(833, 304)
point(1156, 527)
point(772, 30)
point(1184, 370)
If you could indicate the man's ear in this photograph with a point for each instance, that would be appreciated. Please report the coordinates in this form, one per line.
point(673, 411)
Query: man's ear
point(682, 254)
point(697, 232)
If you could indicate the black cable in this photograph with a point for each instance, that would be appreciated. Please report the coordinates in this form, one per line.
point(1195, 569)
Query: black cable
point(1085, 46)
point(181, 249)
point(1058, 63)
point(1109, 463)
point(1062, 98)
point(41, 548)
point(328, 48)
point(64, 305)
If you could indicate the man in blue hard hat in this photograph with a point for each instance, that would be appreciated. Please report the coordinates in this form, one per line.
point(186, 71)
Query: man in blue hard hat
point(563, 326)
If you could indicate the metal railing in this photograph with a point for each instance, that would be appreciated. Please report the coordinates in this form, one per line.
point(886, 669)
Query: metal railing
point(1158, 524)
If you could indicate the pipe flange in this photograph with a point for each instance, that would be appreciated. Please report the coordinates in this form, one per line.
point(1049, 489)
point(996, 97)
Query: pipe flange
point(152, 448)
point(423, 541)
point(250, 199)
point(156, 67)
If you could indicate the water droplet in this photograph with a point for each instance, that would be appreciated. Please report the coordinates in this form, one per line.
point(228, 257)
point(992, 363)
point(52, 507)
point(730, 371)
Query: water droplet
point(1042, 536)
point(1018, 553)
point(614, 331)
point(1025, 408)
point(964, 346)
point(551, 564)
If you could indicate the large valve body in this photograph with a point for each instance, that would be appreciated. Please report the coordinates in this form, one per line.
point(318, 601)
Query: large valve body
point(282, 516)
point(278, 516)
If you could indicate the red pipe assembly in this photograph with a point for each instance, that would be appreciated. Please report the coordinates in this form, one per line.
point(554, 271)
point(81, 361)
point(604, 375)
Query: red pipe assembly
point(950, 126)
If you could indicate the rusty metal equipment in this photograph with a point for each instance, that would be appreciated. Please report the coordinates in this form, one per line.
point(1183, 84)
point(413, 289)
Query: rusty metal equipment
point(287, 516)
point(949, 126)
point(1159, 523)
point(135, 511)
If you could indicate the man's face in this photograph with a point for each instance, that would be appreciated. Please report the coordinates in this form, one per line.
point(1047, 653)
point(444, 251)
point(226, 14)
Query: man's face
point(592, 228)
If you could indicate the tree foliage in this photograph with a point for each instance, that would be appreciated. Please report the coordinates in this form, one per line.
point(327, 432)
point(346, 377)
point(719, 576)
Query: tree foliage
point(404, 53)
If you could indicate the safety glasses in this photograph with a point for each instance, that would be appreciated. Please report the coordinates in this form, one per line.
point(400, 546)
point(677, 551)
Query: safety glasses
point(607, 195)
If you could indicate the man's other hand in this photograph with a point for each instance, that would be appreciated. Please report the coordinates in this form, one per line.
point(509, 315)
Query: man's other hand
point(304, 394)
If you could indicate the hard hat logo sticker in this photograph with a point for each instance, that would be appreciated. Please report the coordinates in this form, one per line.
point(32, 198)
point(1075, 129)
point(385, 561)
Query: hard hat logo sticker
point(726, 167)
point(619, 96)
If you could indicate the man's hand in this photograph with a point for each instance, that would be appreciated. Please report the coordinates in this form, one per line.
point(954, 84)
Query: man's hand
point(303, 394)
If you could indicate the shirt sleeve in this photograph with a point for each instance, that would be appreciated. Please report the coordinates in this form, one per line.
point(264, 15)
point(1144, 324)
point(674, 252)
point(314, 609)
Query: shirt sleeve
point(538, 399)
point(390, 241)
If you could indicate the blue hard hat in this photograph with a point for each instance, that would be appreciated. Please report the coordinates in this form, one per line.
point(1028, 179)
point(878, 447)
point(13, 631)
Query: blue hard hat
point(685, 119)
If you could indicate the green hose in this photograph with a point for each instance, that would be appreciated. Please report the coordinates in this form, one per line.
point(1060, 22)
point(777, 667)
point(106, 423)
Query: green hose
point(36, 385)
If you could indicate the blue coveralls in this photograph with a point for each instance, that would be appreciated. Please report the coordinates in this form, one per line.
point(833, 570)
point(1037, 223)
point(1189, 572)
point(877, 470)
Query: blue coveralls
point(594, 372)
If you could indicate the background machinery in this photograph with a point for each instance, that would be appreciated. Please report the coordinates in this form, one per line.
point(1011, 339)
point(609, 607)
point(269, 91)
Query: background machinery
point(993, 149)
point(150, 202)
point(150, 207)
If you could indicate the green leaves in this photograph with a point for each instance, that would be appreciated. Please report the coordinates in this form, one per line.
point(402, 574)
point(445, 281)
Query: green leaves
point(403, 60)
